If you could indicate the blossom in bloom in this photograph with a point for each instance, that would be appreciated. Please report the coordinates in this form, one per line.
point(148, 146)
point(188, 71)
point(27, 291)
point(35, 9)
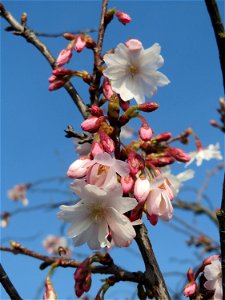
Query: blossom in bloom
point(213, 275)
point(123, 17)
point(52, 244)
point(18, 192)
point(97, 215)
point(212, 151)
point(176, 181)
point(132, 70)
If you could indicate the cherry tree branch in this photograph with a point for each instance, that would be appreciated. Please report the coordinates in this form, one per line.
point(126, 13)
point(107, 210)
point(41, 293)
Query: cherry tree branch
point(7, 284)
point(31, 37)
point(154, 281)
point(219, 32)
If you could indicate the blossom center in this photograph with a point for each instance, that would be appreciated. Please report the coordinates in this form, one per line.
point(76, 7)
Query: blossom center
point(97, 212)
point(133, 70)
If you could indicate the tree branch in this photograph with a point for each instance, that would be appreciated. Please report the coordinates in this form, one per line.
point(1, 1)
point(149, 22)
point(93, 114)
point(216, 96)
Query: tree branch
point(30, 37)
point(154, 282)
point(8, 286)
point(218, 31)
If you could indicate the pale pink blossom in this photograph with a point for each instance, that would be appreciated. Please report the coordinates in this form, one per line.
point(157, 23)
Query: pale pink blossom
point(212, 151)
point(123, 17)
point(78, 168)
point(64, 57)
point(52, 243)
point(96, 148)
point(132, 70)
point(158, 203)
point(19, 192)
point(141, 189)
point(97, 215)
point(190, 289)
point(107, 142)
point(80, 44)
point(213, 275)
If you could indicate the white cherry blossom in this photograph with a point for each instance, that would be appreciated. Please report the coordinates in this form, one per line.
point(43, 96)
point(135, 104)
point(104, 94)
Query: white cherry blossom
point(97, 215)
point(132, 70)
point(212, 151)
point(213, 275)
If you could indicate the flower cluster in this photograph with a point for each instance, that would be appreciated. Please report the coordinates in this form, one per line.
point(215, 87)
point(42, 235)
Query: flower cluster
point(210, 277)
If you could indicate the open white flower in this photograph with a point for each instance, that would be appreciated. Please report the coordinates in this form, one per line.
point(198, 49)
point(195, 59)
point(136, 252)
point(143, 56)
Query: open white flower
point(97, 215)
point(213, 274)
point(212, 151)
point(176, 181)
point(132, 70)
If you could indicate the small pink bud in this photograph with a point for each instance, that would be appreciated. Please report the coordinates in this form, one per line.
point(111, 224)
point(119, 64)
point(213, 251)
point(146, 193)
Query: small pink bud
point(62, 72)
point(80, 44)
point(148, 106)
point(96, 111)
point(52, 79)
point(162, 161)
point(135, 162)
point(134, 45)
point(92, 124)
point(190, 289)
point(87, 282)
point(145, 133)
point(77, 169)
point(55, 85)
point(107, 142)
point(107, 89)
point(123, 17)
point(178, 154)
point(64, 57)
point(190, 275)
point(165, 136)
point(127, 183)
point(96, 148)
point(153, 219)
point(69, 36)
point(141, 189)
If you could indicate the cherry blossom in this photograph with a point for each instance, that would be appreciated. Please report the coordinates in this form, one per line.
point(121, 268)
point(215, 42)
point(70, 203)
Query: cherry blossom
point(97, 215)
point(213, 275)
point(132, 70)
point(212, 151)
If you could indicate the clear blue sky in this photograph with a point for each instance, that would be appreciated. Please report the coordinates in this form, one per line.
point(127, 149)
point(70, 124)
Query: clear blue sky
point(33, 145)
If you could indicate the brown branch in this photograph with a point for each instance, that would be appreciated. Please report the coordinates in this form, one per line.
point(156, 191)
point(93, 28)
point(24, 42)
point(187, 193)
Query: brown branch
point(154, 282)
point(8, 286)
point(30, 37)
point(119, 273)
point(197, 209)
point(219, 33)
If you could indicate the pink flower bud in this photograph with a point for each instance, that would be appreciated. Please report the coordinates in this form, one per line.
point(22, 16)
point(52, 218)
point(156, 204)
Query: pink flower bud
point(69, 36)
point(52, 79)
point(55, 85)
point(62, 72)
point(178, 154)
point(87, 282)
point(165, 136)
point(96, 111)
point(107, 89)
point(190, 275)
point(148, 106)
point(141, 189)
point(64, 57)
point(123, 17)
point(96, 148)
point(153, 219)
point(77, 169)
point(92, 124)
point(134, 45)
point(79, 289)
point(135, 162)
point(107, 142)
point(190, 289)
point(80, 44)
point(145, 133)
point(162, 161)
point(127, 183)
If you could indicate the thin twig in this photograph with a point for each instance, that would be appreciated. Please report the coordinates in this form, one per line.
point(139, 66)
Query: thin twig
point(30, 37)
point(8, 286)
point(60, 34)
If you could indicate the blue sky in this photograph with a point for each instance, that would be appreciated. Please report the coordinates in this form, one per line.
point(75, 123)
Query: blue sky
point(33, 145)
